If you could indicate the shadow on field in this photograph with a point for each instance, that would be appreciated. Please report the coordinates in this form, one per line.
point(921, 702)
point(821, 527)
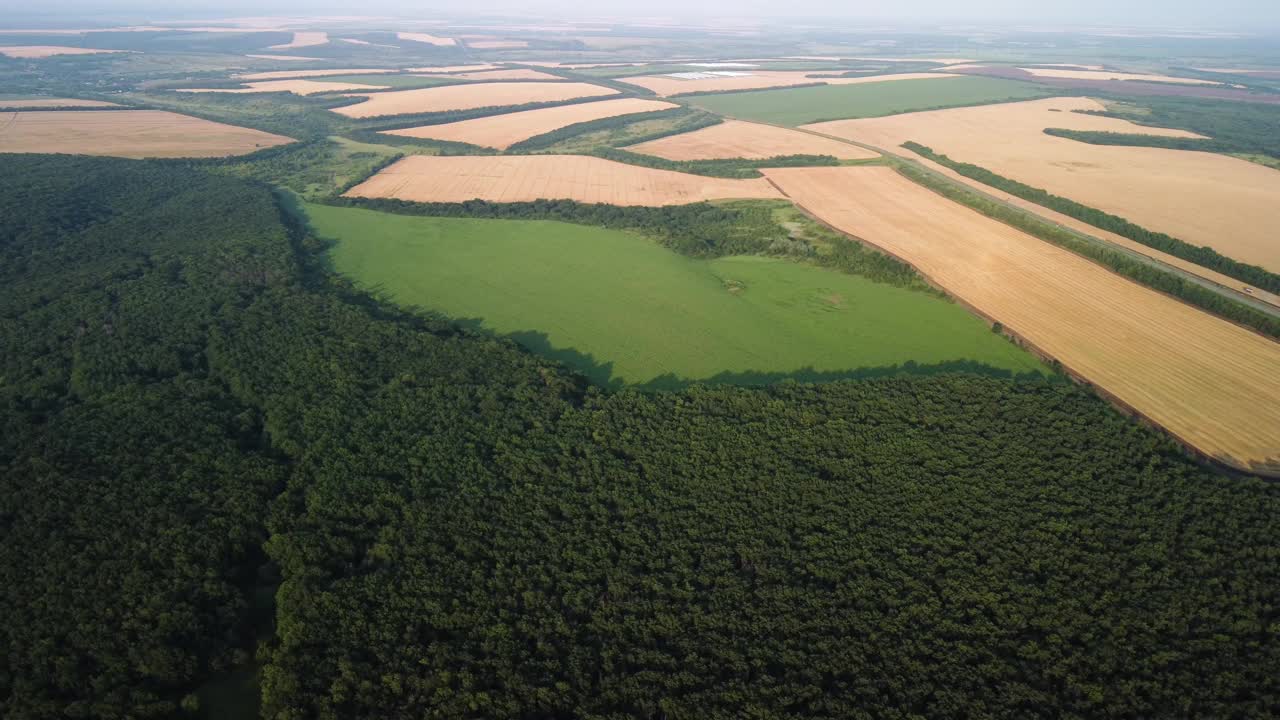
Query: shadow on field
point(602, 373)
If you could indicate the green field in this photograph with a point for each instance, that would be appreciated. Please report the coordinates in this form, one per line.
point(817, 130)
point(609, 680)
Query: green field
point(797, 106)
point(622, 309)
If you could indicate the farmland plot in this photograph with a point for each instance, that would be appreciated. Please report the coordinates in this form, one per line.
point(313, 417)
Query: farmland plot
point(1226, 203)
point(666, 85)
point(466, 97)
point(304, 39)
point(127, 133)
point(1208, 382)
point(48, 102)
point(427, 38)
point(297, 87)
point(503, 131)
point(519, 178)
point(1110, 75)
point(506, 74)
point(737, 139)
point(297, 74)
point(31, 52)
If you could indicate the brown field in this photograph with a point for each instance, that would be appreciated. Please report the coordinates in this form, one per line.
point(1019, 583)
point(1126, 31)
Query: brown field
point(503, 131)
point(1110, 75)
point(504, 74)
point(465, 97)
point(1210, 383)
point(428, 39)
point(667, 86)
point(297, 74)
point(51, 103)
point(297, 87)
point(1229, 204)
point(519, 178)
point(283, 57)
point(304, 39)
point(29, 52)
point(453, 68)
point(496, 44)
point(128, 133)
point(737, 139)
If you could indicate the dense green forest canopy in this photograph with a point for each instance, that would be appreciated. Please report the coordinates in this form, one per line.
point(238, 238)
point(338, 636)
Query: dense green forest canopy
point(192, 409)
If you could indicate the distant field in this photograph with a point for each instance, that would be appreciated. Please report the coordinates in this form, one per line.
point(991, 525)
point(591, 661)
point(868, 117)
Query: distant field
point(520, 178)
point(797, 106)
point(502, 131)
point(31, 101)
point(31, 52)
point(127, 133)
point(466, 97)
point(297, 87)
point(296, 74)
point(737, 139)
point(665, 85)
point(1211, 383)
point(623, 309)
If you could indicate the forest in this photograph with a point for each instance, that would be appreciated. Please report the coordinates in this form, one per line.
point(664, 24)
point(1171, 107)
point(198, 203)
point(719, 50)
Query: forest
point(1201, 255)
point(195, 413)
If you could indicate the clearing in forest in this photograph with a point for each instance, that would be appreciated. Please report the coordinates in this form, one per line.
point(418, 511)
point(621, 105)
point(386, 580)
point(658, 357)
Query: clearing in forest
point(296, 74)
point(1210, 383)
point(304, 39)
point(503, 131)
point(622, 309)
point(127, 133)
point(719, 81)
point(795, 106)
point(470, 96)
point(1226, 203)
point(30, 52)
point(521, 178)
point(297, 87)
point(737, 139)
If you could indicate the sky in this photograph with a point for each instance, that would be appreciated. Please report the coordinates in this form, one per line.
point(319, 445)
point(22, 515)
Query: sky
point(1240, 14)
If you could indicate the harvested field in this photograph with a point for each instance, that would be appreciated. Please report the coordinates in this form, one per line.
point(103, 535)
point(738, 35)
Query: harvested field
point(505, 74)
point(1229, 204)
point(497, 44)
point(466, 97)
point(1272, 74)
point(32, 52)
point(666, 86)
point(503, 131)
point(127, 133)
point(1214, 91)
point(297, 87)
point(940, 61)
point(304, 39)
point(737, 139)
point(453, 68)
point(297, 74)
point(426, 38)
point(1212, 384)
point(519, 178)
point(1110, 75)
point(47, 102)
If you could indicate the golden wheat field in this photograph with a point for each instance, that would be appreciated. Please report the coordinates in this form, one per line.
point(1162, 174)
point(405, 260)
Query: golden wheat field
point(297, 87)
point(466, 97)
point(505, 74)
point(46, 102)
point(503, 131)
point(127, 133)
point(1229, 204)
point(738, 139)
point(667, 86)
point(1210, 383)
point(300, 74)
point(32, 52)
point(1110, 75)
point(520, 178)
point(304, 39)
point(426, 38)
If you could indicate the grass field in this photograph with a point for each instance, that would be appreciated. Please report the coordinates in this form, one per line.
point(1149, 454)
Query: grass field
point(797, 106)
point(623, 310)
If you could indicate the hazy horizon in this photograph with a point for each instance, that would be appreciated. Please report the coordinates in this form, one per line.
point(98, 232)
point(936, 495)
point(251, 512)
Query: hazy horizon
point(1241, 15)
